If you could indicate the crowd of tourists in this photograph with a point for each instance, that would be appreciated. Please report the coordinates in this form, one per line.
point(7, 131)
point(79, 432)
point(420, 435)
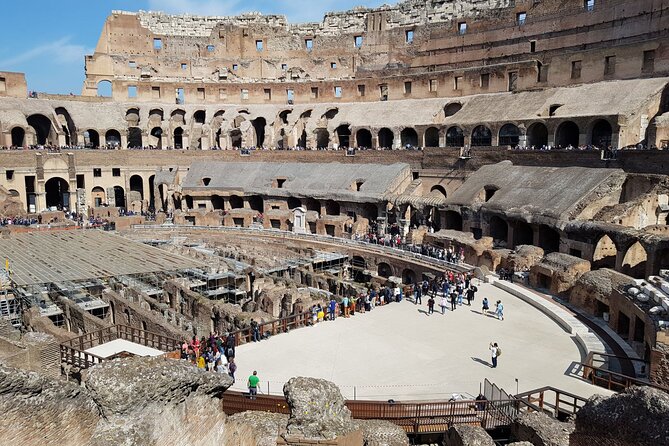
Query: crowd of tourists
point(214, 354)
point(449, 254)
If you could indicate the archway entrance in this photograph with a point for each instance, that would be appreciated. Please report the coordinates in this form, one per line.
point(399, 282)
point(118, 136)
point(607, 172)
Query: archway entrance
point(98, 196)
point(567, 134)
point(18, 136)
point(537, 135)
point(634, 262)
point(157, 137)
point(549, 239)
point(455, 137)
point(344, 135)
point(408, 277)
point(499, 229)
point(42, 126)
point(384, 270)
point(322, 138)
point(481, 137)
point(363, 138)
point(119, 196)
point(522, 234)
point(57, 193)
point(178, 138)
point(386, 138)
point(259, 127)
point(113, 138)
point(134, 137)
point(236, 138)
point(409, 137)
point(452, 220)
point(605, 252)
point(601, 134)
point(509, 135)
point(432, 137)
point(137, 185)
point(91, 139)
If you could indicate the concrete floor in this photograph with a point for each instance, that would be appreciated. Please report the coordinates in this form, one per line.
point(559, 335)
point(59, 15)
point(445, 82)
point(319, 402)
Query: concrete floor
point(399, 351)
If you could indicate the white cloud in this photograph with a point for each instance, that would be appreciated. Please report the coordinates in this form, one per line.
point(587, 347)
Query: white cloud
point(60, 52)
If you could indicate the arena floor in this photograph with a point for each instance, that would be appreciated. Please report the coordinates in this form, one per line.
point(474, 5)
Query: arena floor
point(399, 351)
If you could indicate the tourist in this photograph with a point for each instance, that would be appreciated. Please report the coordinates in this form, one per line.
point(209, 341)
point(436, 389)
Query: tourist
point(443, 303)
point(201, 363)
point(351, 304)
point(230, 344)
point(495, 353)
point(252, 384)
point(345, 302)
point(219, 367)
point(430, 305)
point(486, 307)
point(499, 310)
point(332, 309)
point(471, 293)
point(417, 294)
point(255, 328)
point(232, 368)
point(454, 297)
point(321, 313)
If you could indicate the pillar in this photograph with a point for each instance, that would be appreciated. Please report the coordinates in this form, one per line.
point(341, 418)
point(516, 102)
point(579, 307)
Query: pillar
point(124, 141)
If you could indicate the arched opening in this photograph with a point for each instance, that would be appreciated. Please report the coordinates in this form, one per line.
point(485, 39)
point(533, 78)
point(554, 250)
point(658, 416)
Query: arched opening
point(302, 142)
point(257, 203)
point(451, 109)
point(259, 127)
point(439, 189)
point(499, 229)
point(236, 138)
point(358, 267)
point(604, 255)
point(452, 220)
point(363, 138)
point(432, 137)
point(409, 137)
point(135, 137)
point(330, 114)
point(132, 117)
point(283, 116)
point(408, 277)
point(67, 125)
point(91, 139)
point(113, 138)
point(509, 135)
point(137, 185)
point(332, 208)
point(157, 137)
point(455, 137)
point(200, 116)
point(601, 134)
point(18, 136)
point(217, 202)
point(344, 135)
point(634, 262)
point(42, 126)
point(98, 196)
point(567, 134)
point(386, 138)
point(178, 117)
point(293, 202)
point(549, 239)
point(119, 196)
point(178, 138)
point(384, 270)
point(152, 189)
point(57, 193)
point(236, 202)
point(322, 138)
point(662, 261)
point(105, 89)
point(537, 135)
point(481, 137)
point(189, 202)
point(523, 234)
point(312, 205)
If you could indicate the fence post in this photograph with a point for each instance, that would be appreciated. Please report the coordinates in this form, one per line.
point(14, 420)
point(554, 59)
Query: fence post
point(267, 388)
point(355, 393)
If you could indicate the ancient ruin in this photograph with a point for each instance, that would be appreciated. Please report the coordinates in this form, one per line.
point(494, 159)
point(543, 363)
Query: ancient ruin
point(225, 180)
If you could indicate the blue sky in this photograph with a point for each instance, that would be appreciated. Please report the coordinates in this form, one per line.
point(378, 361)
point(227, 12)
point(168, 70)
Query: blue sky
point(48, 39)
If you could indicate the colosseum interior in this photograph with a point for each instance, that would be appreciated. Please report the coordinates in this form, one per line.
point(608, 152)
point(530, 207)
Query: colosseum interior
point(233, 175)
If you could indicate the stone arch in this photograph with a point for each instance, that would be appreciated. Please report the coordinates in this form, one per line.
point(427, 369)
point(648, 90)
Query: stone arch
point(312, 205)
point(363, 138)
point(409, 137)
point(257, 203)
point(259, 127)
point(455, 137)
point(132, 117)
point(113, 138)
point(104, 88)
point(178, 138)
point(481, 136)
point(98, 196)
point(293, 202)
point(432, 137)
point(549, 239)
point(523, 234)
point(119, 196)
point(91, 139)
point(217, 202)
point(499, 229)
point(57, 193)
point(634, 261)
point(384, 270)
point(509, 135)
point(408, 276)
point(236, 202)
point(537, 135)
point(604, 254)
point(156, 139)
point(135, 137)
point(43, 128)
point(200, 116)
point(453, 220)
point(452, 108)
point(567, 134)
point(236, 138)
point(330, 113)
point(601, 134)
point(332, 208)
point(322, 138)
point(137, 185)
point(178, 116)
point(344, 135)
point(18, 136)
point(68, 127)
point(156, 115)
point(386, 138)
point(440, 189)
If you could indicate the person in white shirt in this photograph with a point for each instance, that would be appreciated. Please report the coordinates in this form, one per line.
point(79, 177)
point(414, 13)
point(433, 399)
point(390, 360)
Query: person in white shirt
point(494, 350)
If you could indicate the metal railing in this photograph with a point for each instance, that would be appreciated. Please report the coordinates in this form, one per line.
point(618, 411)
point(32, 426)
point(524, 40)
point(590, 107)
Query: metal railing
point(73, 352)
point(413, 417)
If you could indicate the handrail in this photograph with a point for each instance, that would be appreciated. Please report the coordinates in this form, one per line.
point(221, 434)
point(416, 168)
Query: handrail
point(537, 400)
point(613, 380)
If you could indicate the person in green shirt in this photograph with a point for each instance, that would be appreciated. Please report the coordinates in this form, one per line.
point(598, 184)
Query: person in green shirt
point(253, 385)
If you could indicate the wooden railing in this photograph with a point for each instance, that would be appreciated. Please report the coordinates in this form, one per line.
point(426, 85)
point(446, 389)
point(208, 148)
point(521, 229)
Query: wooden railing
point(611, 380)
point(552, 401)
point(413, 417)
point(73, 352)
point(274, 327)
